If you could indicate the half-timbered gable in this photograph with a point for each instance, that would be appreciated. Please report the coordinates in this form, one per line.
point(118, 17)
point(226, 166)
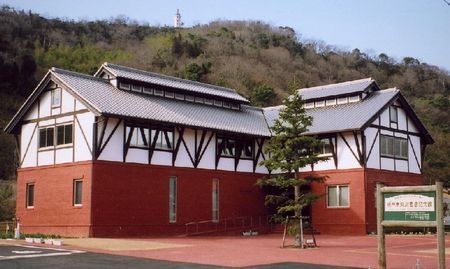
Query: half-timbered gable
point(130, 152)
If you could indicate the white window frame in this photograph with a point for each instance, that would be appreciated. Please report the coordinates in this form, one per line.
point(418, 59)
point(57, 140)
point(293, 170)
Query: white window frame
point(136, 88)
point(46, 144)
point(147, 90)
point(27, 193)
point(354, 99)
point(56, 96)
point(173, 189)
point(55, 133)
point(309, 105)
point(338, 196)
point(158, 92)
point(325, 141)
point(342, 100)
point(124, 86)
point(320, 103)
point(393, 114)
point(75, 193)
point(330, 102)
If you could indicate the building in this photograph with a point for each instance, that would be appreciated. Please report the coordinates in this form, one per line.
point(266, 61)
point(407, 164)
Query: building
point(177, 20)
point(128, 152)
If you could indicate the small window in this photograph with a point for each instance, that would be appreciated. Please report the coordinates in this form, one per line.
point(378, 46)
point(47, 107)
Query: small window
point(30, 195)
point(189, 98)
point(401, 148)
point(172, 199)
point(136, 88)
point(164, 140)
point(56, 97)
point(179, 96)
point(200, 100)
point(227, 147)
point(247, 149)
point(169, 94)
point(309, 105)
point(159, 92)
point(148, 90)
point(325, 149)
point(139, 137)
point(209, 101)
point(226, 105)
point(320, 103)
point(338, 196)
point(386, 146)
point(235, 106)
point(217, 103)
point(77, 192)
point(46, 137)
point(124, 86)
point(64, 134)
point(342, 100)
point(393, 113)
point(215, 200)
point(353, 99)
point(330, 102)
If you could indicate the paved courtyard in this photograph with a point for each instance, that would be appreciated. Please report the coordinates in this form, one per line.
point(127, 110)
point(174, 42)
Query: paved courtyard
point(259, 251)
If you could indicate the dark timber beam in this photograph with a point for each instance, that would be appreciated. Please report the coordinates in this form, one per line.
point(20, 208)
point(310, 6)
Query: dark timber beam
point(204, 148)
point(259, 143)
point(127, 143)
point(333, 151)
point(358, 148)
point(151, 148)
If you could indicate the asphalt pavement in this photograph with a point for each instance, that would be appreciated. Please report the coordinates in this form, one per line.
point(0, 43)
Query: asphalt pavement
point(25, 257)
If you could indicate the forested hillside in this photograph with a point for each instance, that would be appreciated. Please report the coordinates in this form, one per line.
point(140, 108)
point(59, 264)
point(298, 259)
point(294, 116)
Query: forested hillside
point(263, 62)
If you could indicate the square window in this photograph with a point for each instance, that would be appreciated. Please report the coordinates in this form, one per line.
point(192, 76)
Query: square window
point(217, 103)
point(200, 100)
point(331, 102)
point(309, 105)
point(189, 98)
point(77, 192)
point(208, 101)
point(342, 100)
point(169, 94)
point(320, 103)
point(353, 99)
point(338, 196)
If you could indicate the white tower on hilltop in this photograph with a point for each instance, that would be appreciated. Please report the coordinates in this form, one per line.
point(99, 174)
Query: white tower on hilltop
point(177, 19)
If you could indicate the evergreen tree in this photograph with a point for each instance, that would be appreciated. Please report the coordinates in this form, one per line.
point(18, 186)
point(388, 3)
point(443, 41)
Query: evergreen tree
point(289, 150)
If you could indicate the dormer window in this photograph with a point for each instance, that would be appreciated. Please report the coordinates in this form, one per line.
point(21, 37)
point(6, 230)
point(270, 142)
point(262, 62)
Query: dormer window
point(56, 97)
point(353, 99)
point(199, 100)
point(124, 86)
point(136, 88)
point(217, 103)
point(342, 100)
point(159, 92)
point(169, 94)
point(309, 105)
point(208, 101)
point(189, 98)
point(148, 90)
point(179, 96)
point(235, 106)
point(331, 102)
point(320, 103)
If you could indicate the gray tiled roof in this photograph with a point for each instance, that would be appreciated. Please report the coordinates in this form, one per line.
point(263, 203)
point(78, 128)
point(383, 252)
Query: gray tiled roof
point(173, 82)
point(107, 99)
point(336, 89)
point(338, 118)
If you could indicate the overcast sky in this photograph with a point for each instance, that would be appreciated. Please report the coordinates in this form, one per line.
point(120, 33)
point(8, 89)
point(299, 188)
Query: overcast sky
point(399, 28)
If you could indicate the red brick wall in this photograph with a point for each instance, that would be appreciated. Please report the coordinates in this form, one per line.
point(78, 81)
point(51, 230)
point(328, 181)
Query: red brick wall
point(388, 178)
point(349, 220)
point(133, 199)
point(53, 211)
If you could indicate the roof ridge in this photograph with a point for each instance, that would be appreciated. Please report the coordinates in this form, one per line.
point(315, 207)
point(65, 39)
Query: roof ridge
point(338, 84)
point(198, 83)
point(78, 74)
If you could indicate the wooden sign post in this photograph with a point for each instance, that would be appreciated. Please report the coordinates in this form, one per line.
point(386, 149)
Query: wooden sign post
point(418, 206)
